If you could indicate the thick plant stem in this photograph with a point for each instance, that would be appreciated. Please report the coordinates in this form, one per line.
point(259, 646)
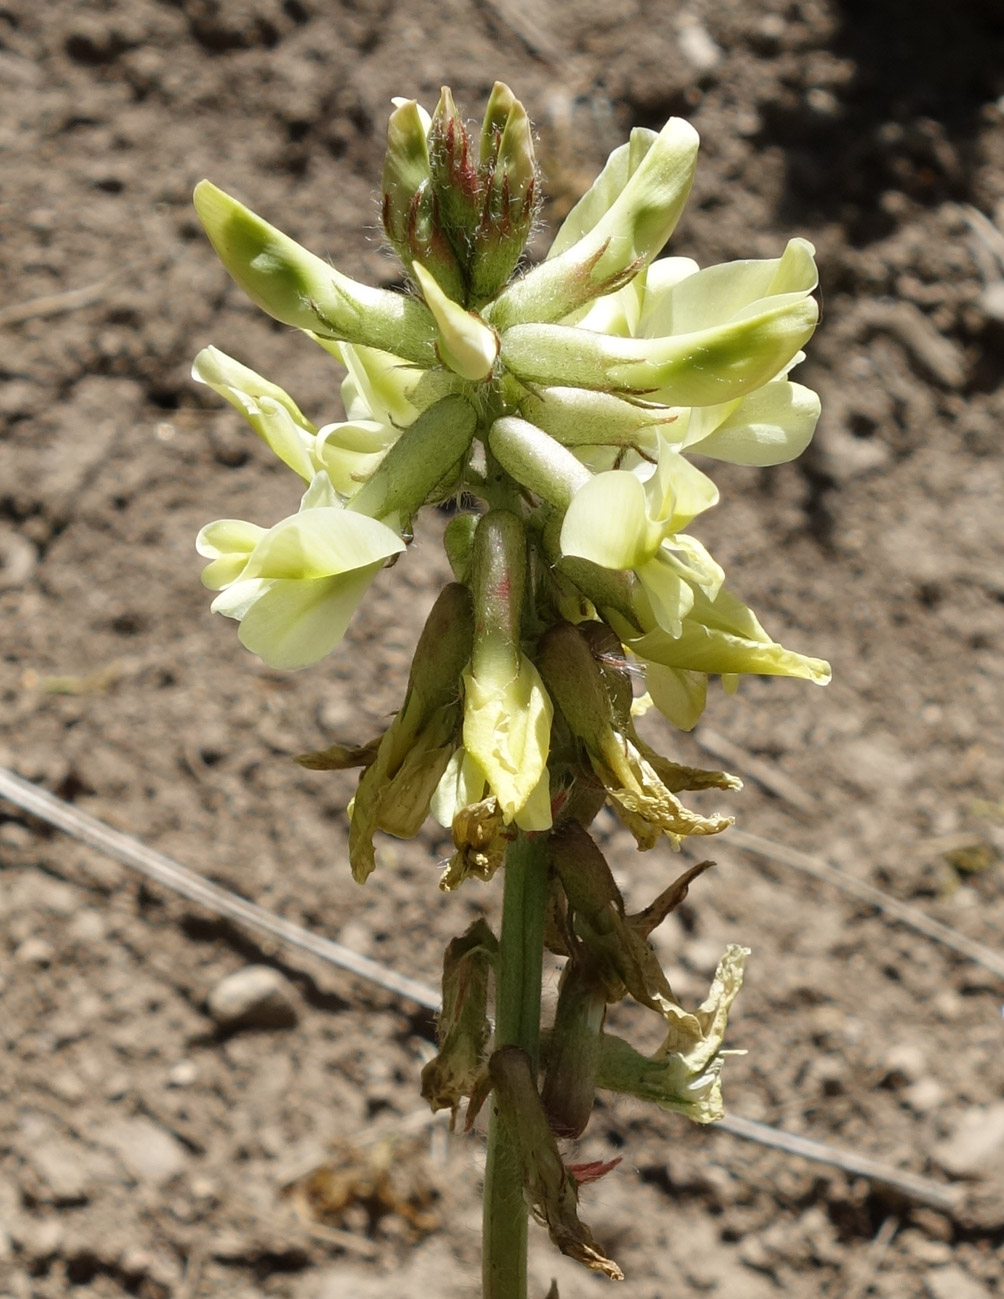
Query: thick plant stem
point(518, 975)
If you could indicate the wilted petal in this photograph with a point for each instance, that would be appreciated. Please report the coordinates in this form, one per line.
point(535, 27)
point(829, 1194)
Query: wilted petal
point(462, 1030)
point(684, 1075)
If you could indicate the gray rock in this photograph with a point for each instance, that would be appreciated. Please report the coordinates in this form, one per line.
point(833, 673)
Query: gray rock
point(34, 951)
point(61, 1168)
point(953, 1283)
point(147, 1152)
point(41, 1238)
point(992, 301)
point(975, 1146)
point(255, 997)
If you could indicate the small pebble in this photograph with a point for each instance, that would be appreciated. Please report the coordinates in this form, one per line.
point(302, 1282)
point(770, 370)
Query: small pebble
point(975, 1146)
point(183, 1074)
point(924, 1095)
point(87, 927)
point(992, 301)
point(953, 1283)
point(255, 997)
point(146, 1150)
point(58, 1163)
point(697, 45)
point(904, 1063)
point(34, 951)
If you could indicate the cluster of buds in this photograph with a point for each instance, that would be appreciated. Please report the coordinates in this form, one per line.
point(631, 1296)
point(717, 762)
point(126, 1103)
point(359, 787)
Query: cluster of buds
point(565, 401)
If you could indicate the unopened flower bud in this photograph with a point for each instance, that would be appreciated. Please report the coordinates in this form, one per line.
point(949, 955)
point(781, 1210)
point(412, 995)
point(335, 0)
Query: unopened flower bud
point(509, 174)
point(423, 456)
point(410, 205)
point(573, 1050)
point(405, 171)
point(537, 461)
point(455, 176)
point(577, 417)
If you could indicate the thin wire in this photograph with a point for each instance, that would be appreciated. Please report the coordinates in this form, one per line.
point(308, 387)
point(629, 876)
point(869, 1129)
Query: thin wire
point(188, 884)
point(168, 873)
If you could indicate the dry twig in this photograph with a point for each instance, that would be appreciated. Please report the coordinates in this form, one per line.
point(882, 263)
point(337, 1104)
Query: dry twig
point(54, 304)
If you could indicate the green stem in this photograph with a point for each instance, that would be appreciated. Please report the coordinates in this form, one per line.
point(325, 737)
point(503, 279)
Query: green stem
point(517, 1023)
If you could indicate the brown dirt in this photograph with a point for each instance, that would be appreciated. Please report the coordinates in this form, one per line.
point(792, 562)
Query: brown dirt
point(145, 1153)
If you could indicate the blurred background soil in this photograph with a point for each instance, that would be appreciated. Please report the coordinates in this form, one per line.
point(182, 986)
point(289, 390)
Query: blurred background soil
point(150, 1149)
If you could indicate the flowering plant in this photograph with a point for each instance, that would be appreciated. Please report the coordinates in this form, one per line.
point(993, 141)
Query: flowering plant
point(564, 402)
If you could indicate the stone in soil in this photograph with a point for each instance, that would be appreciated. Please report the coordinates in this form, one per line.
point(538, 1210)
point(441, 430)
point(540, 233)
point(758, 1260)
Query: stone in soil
point(255, 997)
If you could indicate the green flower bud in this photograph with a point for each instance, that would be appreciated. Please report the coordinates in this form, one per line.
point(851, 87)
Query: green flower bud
point(405, 172)
point(537, 461)
point(302, 290)
point(577, 417)
point(463, 1028)
point(410, 208)
point(508, 170)
point(424, 455)
point(573, 1050)
point(455, 178)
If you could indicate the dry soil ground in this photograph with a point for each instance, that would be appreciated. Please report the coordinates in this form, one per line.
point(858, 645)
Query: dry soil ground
point(145, 1152)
